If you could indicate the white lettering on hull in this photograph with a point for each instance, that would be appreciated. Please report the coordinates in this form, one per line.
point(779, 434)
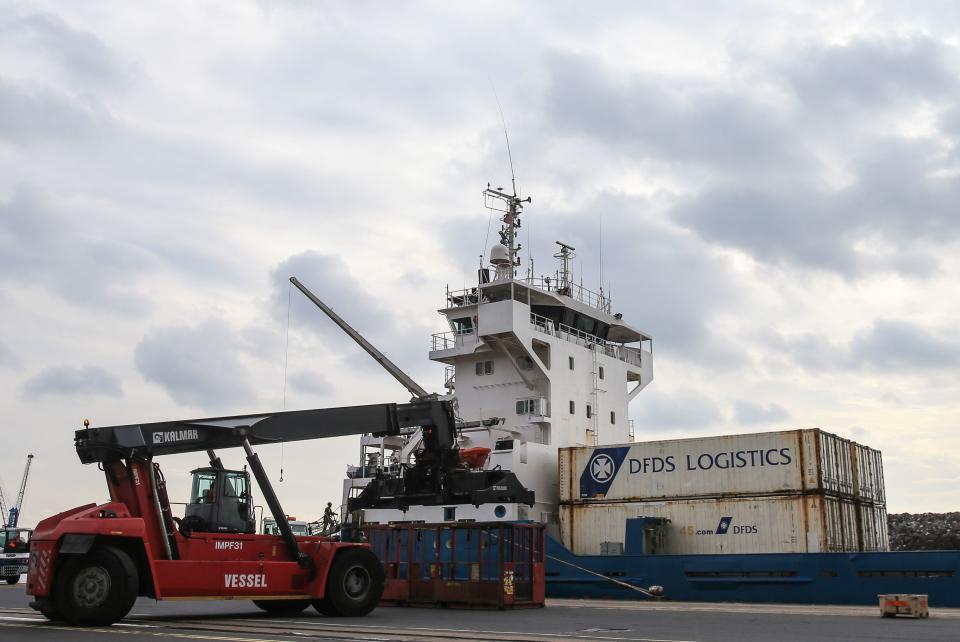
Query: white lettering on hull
point(222, 545)
point(244, 580)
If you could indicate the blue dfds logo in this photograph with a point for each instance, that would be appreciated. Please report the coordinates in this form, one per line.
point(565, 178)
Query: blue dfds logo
point(601, 470)
point(724, 525)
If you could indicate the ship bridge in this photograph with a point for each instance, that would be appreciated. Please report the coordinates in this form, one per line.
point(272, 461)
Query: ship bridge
point(568, 312)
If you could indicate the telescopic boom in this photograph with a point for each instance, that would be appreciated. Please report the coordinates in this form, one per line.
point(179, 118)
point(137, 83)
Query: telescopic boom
point(415, 389)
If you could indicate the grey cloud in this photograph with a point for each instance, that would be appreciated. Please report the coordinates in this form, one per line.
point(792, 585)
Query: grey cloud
point(673, 118)
point(311, 383)
point(871, 74)
point(85, 59)
point(888, 344)
point(682, 410)
point(36, 114)
point(198, 366)
point(900, 197)
point(751, 413)
point(893, 344)
point(42, 244)
point(72, 380)
point(809, 351)
point(8, 358)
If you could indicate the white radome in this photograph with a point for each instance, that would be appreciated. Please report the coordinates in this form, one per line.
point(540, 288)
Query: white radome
point(499, 255)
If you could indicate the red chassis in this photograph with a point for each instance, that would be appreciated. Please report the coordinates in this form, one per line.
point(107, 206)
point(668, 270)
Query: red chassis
point(89, 564)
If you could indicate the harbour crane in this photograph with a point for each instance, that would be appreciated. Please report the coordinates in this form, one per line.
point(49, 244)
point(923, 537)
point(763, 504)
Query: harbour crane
point(13, 516)
point(14, 542)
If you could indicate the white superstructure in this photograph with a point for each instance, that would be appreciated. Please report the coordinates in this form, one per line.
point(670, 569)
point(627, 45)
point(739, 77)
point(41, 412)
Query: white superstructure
point(535, 365)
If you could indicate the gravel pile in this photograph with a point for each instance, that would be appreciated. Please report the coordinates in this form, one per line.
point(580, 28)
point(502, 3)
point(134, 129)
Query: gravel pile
point(924, 531)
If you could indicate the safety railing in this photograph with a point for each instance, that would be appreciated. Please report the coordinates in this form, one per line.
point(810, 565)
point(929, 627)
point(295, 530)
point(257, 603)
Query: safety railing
point(448, 340)
point(574, 291)
point(473, 295)
point(630, 355)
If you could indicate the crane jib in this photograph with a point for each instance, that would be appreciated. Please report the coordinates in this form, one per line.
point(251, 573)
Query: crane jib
point(195, 435)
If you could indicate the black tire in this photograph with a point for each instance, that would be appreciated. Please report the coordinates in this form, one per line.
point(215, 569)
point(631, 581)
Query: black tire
point(282, 607)
point(13, 579)
point(188, 525)
point(46, 607)
point(324, 607)
point(96, 589)
point(354, 585)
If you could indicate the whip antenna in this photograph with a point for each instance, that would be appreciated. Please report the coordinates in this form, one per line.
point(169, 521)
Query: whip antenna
point(506, 136)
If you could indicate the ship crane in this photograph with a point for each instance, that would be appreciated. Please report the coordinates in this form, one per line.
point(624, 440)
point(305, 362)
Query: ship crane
point(445, 475)
point(3, 502)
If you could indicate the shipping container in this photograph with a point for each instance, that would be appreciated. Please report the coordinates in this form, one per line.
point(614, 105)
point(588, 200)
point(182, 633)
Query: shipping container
point(868, 464)
point(768, 524)
point(873, 527)
point(464, 564)
point(771, 463)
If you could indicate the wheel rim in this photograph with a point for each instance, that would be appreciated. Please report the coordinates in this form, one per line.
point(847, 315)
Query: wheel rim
point(91, 586)
point(356, 582)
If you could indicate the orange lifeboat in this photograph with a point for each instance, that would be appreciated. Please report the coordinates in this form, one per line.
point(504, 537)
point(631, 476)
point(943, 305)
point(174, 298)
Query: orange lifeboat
point(474, 457)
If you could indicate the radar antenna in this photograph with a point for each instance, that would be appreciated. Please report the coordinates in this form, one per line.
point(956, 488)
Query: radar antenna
point(564, 285)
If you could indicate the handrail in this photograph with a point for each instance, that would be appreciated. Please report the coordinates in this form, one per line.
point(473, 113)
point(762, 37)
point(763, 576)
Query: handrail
point(449, 339)
point(562, 331)
point(471, 295)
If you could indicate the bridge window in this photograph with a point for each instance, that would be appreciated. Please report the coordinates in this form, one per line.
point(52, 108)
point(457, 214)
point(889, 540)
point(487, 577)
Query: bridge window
point(570, 362)
point(527, 406)
point(573, 409)
point(463, 325)
point(589, 411)
point(601, 372)
point(484, 368)
point(613, 417)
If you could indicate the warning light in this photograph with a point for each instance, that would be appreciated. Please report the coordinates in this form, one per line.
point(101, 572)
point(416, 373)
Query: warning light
point(86, 423)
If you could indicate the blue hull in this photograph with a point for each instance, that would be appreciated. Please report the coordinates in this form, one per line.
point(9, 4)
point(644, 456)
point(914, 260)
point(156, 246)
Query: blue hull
point(803, 578)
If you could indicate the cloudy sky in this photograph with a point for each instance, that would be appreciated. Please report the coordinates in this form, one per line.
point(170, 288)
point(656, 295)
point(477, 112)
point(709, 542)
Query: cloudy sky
point(778, 188)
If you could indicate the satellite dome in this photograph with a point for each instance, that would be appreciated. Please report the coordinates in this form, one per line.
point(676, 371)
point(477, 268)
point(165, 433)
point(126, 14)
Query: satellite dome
point(499, 255)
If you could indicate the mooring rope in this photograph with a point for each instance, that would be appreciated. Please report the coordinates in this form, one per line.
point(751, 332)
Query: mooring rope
point(627, 585)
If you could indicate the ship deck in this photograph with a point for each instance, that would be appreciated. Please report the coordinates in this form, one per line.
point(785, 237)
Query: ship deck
point(240, 621)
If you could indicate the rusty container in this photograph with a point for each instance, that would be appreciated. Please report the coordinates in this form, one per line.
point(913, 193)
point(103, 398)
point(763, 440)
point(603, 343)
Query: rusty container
point(496, 565)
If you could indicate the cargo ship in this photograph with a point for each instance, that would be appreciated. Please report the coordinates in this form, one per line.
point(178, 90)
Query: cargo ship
point(543, 370)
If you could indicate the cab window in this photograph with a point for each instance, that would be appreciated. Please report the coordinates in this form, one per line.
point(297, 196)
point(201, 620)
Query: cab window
point(204, 488)
point(235, 486)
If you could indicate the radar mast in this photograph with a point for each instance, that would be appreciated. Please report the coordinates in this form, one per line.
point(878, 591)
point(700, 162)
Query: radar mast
point(505, 256)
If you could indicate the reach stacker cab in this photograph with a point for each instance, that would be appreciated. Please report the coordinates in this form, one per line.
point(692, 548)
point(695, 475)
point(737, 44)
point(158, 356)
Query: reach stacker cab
point(220, 502)
point(89, 564)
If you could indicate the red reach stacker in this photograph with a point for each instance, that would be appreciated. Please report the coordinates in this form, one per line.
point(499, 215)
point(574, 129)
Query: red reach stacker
point(89, 564)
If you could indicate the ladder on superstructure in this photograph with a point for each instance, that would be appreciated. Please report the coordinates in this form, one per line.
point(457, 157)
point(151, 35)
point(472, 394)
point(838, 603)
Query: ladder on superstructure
point(594, 395)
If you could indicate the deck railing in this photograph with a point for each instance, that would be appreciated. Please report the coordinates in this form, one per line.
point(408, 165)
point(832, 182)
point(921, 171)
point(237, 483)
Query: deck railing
point(471, 295)
point(561, 331)
point(450, 340)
